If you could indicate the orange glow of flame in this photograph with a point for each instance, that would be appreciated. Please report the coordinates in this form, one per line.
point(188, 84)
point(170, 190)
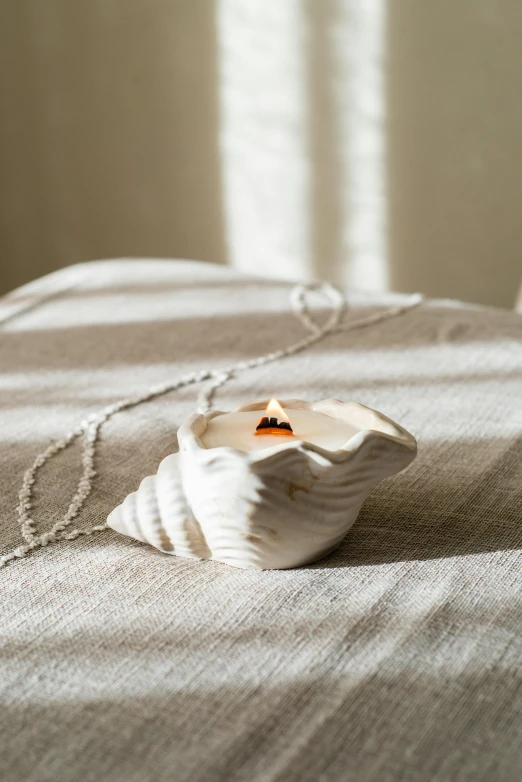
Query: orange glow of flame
point(275, 421)
point(274, 409)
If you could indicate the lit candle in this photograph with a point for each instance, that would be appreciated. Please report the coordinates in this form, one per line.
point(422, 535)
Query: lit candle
point(265, 486)
point(246, 432)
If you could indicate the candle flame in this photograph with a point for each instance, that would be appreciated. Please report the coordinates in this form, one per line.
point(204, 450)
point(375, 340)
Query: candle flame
point(275, 421)
point(274, 409)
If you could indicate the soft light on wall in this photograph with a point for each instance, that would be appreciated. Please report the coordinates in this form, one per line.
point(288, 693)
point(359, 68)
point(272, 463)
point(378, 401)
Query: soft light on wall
point(302, 107)
point(373, 143)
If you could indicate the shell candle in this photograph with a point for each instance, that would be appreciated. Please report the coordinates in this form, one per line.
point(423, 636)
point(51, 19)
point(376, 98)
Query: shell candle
point(265, 487)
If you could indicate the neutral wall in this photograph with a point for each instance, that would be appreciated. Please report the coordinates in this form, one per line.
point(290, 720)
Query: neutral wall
point(108, 137)
point(119, 136)
point(455, 147)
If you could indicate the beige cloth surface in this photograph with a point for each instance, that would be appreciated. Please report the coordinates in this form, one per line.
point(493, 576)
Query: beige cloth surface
point(396, 658)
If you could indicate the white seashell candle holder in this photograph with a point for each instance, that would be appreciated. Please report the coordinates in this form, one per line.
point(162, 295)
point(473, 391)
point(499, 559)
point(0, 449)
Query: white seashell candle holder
point(265, 502)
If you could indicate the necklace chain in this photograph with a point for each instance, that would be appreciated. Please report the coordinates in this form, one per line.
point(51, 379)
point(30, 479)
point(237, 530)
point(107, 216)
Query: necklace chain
point(89, 429)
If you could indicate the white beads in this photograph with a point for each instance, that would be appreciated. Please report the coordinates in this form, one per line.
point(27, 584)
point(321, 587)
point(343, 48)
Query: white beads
point(207, 395)
point(90, 426)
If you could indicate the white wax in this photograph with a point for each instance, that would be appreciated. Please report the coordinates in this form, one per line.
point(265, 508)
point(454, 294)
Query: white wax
point(237, 431)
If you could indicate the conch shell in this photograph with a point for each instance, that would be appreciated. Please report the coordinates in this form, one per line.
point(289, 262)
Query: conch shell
point(265, 509)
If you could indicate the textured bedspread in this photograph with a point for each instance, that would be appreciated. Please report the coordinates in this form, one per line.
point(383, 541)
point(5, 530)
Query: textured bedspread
point(396, 658)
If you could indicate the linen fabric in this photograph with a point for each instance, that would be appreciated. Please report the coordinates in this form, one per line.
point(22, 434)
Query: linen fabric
point(395, 658)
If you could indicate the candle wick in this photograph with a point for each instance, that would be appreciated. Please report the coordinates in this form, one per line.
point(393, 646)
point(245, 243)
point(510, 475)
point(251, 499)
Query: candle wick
point(273, 426)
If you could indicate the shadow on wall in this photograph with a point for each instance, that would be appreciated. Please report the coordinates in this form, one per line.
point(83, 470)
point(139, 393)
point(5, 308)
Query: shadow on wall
point(109, 140)
point(325, 140)
point(409, 124)
point(455, 158)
